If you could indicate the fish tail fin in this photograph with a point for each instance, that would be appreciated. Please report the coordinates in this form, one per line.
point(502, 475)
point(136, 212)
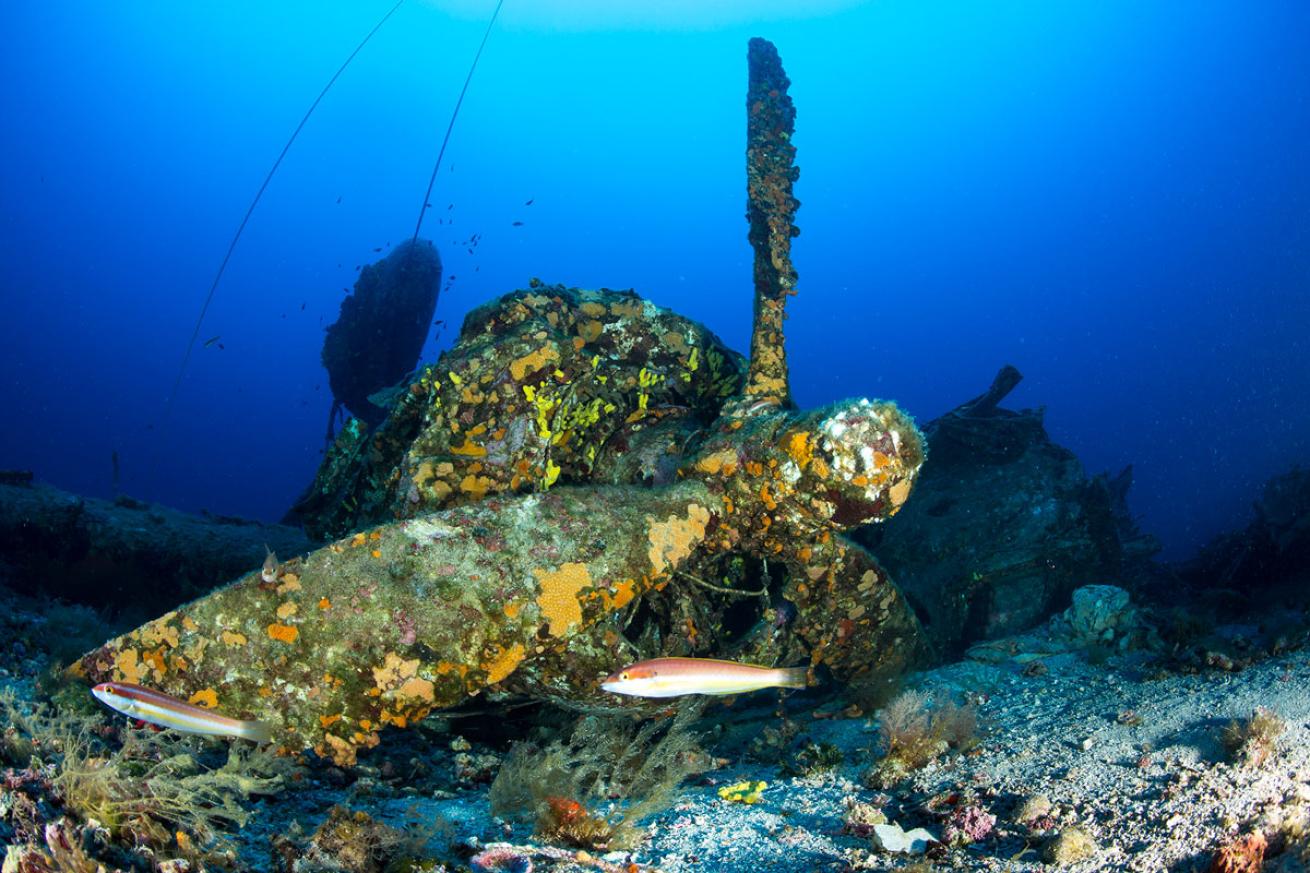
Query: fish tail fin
point(257, 732)
point(792, 677)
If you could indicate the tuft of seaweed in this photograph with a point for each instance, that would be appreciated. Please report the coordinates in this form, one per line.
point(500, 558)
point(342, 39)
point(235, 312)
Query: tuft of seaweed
point(915, 729)
point(158, 787)
point(1251, 742)
point(353, 840)
point(591, 790)
point(176, 794)
point(814, 759)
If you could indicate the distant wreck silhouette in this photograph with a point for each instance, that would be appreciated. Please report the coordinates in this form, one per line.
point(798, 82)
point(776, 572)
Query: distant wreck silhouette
point(378, 337)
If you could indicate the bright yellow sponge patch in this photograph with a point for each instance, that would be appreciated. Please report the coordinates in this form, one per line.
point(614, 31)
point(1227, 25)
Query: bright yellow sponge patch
point(743, 792)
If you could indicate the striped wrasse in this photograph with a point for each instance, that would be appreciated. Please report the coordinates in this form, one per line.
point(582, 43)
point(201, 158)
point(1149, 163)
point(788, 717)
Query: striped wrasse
point(674, 677)
point(160, 709)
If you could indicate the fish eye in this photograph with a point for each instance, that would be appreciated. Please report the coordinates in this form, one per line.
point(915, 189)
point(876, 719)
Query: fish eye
point(624, 677)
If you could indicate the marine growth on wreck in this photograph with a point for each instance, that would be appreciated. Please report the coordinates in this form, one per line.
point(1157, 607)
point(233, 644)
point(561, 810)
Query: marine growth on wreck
point(579, 458)
point(581, 587)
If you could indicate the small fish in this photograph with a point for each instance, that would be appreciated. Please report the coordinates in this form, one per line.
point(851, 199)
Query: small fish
point(269, 571)
point(157, 708)
point(760, 405)
point(213, 339)
point(221, 347)
point(674, 677)
point(302, 307)
point(378, 249)
point(338, 199)
point(518, 224)
point(529, 203)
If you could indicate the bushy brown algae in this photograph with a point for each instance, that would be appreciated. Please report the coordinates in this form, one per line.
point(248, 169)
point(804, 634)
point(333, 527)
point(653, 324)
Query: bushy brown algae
point(591, 790)
point(814, 759)
point(1290, 825)
point(355, 841)
point(163, 790)
point(156, 787)
point(1071, 845)
point(1250, 742)
point(915, 729)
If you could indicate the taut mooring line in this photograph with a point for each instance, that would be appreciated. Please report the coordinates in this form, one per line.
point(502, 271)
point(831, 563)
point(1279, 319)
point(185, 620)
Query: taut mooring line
point(446, 139)
point(209, 298)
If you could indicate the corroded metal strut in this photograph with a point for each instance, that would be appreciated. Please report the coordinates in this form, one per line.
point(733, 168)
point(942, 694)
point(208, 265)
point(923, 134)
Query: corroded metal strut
point(770, 172)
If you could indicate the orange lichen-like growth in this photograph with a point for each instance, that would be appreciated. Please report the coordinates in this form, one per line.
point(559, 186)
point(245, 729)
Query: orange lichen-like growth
point(206, 697)
point(673, 539)
point(469, 449)
point(283, 633)
point(127, 666)
point(724, 462)
point(417, 688)
point(475, 486)
point(504, 663)
point(800, 448)
point(160, 631)
point(558, 598)
point(533, 362)
point(623, 594)
point(156, 660)
point(394, 670)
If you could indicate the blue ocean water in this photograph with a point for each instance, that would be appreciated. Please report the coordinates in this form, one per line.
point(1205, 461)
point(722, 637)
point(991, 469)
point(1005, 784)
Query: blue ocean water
point(1114, 197)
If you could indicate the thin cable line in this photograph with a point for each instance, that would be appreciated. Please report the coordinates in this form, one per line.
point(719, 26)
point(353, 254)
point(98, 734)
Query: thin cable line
point(209, 298)
point(450, 127)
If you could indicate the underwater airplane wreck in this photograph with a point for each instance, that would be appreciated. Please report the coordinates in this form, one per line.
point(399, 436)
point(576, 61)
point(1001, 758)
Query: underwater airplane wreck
point(884, 644)
point(530, 525)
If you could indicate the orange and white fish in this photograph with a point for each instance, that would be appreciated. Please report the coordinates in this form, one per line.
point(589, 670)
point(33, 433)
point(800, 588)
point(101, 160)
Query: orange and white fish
point(674, 677)
point(160, 709)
